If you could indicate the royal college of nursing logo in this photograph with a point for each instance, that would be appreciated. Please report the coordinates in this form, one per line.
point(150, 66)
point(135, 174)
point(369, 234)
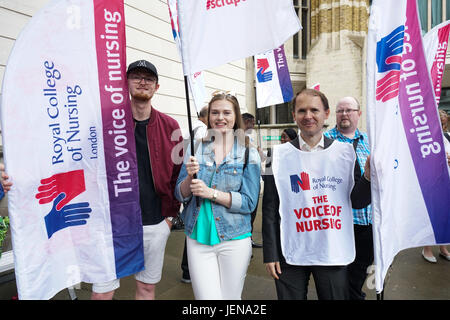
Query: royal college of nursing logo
point(60, 189)
point(389, 59)
point(263, 74)
point(300, 182)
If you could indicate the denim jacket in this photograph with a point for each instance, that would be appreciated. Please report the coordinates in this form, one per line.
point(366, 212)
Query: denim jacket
point(229, 176)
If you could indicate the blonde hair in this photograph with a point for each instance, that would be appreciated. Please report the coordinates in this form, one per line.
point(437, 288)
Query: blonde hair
point(443, 115)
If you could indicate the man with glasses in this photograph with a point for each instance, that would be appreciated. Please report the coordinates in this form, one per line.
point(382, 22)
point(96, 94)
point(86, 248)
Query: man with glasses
point(157, 174)
point(348, 112)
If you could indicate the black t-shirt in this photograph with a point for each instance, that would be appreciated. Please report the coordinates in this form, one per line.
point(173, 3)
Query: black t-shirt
point(149, 200)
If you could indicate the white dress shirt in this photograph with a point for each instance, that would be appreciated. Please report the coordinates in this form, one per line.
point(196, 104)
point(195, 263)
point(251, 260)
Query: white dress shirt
point(305, 147)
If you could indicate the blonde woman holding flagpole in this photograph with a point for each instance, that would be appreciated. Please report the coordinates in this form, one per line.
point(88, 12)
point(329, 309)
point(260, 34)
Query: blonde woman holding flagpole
point(218, 204)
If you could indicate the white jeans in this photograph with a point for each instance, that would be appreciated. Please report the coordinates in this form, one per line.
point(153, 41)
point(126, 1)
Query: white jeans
point(218, 272)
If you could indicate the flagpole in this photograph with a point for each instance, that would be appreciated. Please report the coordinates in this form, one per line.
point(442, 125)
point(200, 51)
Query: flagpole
point(259, 134)
point(257, 115)
point(188, 106)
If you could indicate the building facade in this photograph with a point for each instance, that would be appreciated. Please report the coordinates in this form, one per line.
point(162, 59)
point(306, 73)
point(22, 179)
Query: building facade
point(329, 50)
point(149, 36)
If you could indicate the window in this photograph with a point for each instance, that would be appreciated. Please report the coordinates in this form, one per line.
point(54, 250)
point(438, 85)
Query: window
point(295, 38)
point(422, 6)
point(444, 103)
point(301, 39)
point(432, 13)
point(447, 13)
point(284, 114)
point(263, 115)
point(436, 12)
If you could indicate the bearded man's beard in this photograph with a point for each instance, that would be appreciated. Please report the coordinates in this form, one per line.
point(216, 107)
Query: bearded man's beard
point(345, 124)
point(141, 96)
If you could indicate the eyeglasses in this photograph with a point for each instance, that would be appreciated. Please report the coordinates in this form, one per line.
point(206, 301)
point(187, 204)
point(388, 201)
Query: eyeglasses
point(136, 78)
point(347, 111)
point(225, 93)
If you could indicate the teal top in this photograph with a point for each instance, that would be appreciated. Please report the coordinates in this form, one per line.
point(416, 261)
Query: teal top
point(205, 230)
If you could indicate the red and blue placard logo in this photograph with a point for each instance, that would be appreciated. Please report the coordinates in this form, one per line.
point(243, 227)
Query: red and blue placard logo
point(263, 74)
point(389, 60)
point(300, 182)
point(60, 189)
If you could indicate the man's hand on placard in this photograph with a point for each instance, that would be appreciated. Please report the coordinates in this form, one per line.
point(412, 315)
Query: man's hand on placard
point(6, 184)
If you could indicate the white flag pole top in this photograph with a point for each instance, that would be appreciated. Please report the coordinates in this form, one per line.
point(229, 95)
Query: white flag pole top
point(409, 174)
point(273, 81)
point(196, 80)
point(69, 150)
point(198, 90)
point(216, 32)
point(435, 43)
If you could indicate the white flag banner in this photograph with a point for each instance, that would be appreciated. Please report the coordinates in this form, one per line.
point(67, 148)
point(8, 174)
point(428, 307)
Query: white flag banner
point(435, 43)
point(69, 150)
point(198, 91)
point(409, 176)
point(196, 80)
point(273, 80)
point(215, 32)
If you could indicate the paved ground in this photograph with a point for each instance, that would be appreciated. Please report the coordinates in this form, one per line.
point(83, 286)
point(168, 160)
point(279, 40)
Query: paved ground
point(411, 278)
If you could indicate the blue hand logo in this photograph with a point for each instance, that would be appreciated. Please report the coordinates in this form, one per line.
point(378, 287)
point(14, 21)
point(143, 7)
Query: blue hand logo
point(264, 77)
point(68, 216)
point(389, 50)
point(295, 183)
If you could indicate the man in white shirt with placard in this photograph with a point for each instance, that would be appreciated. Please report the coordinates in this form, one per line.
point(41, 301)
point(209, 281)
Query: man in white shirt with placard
point(307, 206)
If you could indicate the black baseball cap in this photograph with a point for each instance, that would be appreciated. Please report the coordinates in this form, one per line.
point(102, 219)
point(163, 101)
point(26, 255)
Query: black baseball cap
point(143, 64)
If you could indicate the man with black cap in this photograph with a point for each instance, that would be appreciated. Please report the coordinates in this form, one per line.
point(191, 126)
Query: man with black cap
point(157, 177)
